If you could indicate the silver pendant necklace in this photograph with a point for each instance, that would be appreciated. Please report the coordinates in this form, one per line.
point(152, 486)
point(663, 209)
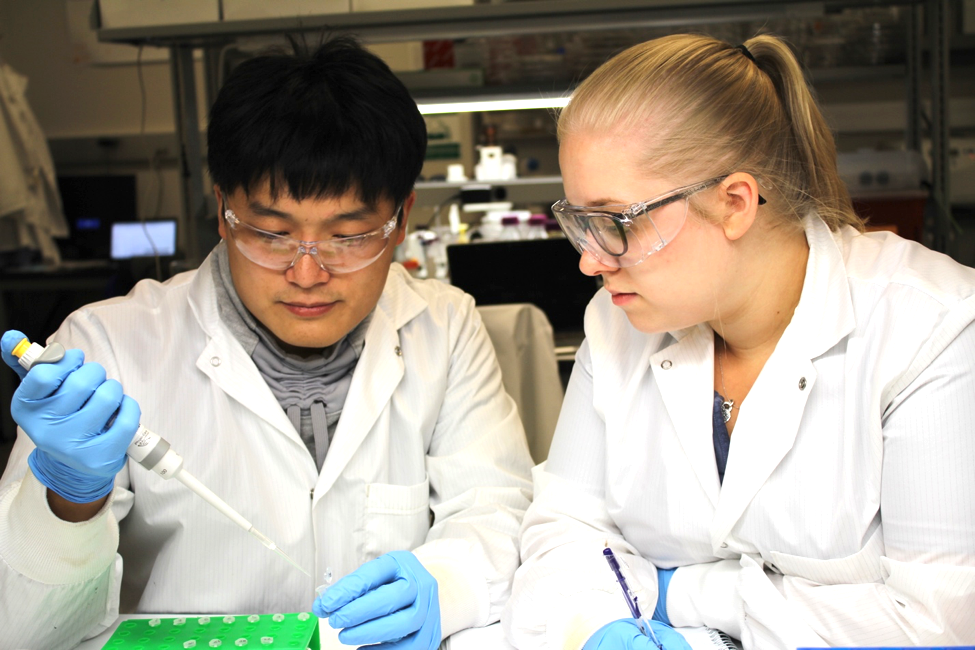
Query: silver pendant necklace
point(726, 403)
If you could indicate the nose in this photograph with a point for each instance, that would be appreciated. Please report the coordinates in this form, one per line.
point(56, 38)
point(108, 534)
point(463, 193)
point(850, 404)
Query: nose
point(306, 271)
point(589, 265)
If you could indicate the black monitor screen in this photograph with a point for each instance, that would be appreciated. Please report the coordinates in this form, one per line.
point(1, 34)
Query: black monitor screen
point(91, 205)
point(544, 272)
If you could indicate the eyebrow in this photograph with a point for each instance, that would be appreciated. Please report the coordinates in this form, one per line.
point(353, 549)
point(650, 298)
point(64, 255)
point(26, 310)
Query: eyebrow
point(358, 214)
point(601, 203)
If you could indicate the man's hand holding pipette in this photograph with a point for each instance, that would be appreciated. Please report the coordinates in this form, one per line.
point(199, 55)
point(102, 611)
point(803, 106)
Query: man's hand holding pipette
point(626, 634)
point(80, 422)
point(391, 600)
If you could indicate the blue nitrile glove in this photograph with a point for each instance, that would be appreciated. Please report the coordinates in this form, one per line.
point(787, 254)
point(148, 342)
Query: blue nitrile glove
point(391, 600)
point(663, 582)
point(80, 422)
point(626, 634)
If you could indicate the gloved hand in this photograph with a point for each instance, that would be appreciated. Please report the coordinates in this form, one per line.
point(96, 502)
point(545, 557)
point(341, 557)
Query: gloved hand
point(80, 422)
point(625, 634)
point(663, 582)
point(391, 600)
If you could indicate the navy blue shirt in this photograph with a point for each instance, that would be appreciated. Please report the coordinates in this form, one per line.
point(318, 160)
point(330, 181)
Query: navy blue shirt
point(719, 433)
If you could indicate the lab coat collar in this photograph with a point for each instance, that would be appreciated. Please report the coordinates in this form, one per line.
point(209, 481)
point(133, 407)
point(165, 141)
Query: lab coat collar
point(378, 371)
point(824, 314)
point(769, 419)
point(225, 361)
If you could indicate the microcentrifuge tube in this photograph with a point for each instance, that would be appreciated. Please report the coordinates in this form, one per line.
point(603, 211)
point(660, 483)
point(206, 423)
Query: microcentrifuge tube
point(253, 618)
point(267, 640)
point(189, 644)
point(321, 589)
point(203, 620)
point(229, 619)
point(304, 616)
point(277, 618)
point(154, 622)
point(179, 621)
point(241, 641)
point(215, 643)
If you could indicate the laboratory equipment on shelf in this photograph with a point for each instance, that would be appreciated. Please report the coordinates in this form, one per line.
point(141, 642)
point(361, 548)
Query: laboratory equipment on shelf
point(152, 451)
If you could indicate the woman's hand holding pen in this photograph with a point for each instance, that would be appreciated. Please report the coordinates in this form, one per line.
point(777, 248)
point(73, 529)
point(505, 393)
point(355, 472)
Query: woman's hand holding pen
point(663, 582)
point(626, 634)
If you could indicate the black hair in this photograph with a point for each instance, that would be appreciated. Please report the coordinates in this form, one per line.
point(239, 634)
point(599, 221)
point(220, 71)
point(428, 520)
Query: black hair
point(317, 125)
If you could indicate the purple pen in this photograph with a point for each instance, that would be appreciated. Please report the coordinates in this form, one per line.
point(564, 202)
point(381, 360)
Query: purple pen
point(631, 600)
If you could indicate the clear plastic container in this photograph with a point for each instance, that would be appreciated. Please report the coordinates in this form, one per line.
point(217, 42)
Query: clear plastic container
point(536, 227)
point(510, 228)
point(553, 230)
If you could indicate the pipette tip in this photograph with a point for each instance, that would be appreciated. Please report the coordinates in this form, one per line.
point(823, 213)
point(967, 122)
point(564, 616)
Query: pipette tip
point(274, 547)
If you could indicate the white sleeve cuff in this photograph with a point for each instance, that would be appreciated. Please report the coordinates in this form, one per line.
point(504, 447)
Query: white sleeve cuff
point(706, 594)
point(39, 545)
point(461, 586)
point(570, 626)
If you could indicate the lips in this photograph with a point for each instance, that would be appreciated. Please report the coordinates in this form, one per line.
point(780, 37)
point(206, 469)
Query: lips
point(621, 298)
point(309, 310)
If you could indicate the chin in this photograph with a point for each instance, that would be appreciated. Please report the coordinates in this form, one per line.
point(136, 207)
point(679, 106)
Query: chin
point(647, 325)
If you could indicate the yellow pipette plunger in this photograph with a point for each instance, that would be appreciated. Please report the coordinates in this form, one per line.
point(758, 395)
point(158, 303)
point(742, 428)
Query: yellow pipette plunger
point(152, 452)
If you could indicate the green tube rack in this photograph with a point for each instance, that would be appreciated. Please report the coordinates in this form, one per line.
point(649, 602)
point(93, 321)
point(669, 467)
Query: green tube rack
point(256, 632)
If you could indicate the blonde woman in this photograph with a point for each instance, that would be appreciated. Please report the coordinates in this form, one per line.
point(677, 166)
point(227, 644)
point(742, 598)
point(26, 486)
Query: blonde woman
point(771, 422)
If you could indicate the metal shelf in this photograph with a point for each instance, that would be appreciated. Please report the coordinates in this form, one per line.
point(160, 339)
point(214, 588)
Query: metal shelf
point(519, 190)
point(540, 16)
point(537, 17)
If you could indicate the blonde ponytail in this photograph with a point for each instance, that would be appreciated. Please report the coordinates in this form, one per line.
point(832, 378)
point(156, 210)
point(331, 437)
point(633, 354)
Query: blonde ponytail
point(704, 108)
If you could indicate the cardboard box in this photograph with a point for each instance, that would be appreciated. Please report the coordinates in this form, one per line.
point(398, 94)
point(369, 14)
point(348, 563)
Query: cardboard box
point(250, 9)
point(144, 13)
point(388, 5)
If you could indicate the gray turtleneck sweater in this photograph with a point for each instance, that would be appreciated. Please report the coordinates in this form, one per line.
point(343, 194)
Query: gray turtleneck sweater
point(311, 389)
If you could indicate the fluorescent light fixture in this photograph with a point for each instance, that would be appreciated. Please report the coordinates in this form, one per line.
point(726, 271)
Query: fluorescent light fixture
point(486, 104)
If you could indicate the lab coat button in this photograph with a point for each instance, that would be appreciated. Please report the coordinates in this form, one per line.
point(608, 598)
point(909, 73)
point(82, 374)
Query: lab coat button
point(666, 364)
point(398, 350)
point(724, 544)
point(802, 383)
point(214, 361)
point(311, 493)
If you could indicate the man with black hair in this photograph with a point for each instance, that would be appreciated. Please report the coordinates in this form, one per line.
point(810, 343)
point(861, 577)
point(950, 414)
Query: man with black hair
point(353, 414)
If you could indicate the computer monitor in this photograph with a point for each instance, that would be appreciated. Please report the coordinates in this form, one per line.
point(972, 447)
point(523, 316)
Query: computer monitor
point(156, 238)
point(91, 205)
point(544, 272)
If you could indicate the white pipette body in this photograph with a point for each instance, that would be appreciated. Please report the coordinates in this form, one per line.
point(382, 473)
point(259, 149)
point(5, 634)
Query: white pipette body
point(154, 453)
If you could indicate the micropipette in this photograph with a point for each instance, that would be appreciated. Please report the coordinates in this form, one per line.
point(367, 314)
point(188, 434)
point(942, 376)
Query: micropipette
point(152, 452)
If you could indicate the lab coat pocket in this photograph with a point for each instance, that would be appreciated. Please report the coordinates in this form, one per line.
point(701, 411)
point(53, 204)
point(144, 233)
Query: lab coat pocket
point(395, 517)
point(862, 566)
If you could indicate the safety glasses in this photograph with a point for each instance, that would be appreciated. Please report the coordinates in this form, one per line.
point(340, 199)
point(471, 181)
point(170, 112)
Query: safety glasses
point(625, 235)
point(337, 255)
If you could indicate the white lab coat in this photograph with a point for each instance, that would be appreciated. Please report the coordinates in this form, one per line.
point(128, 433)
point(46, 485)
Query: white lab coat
point(847, 512)
point(30, 206)
point(426, 427)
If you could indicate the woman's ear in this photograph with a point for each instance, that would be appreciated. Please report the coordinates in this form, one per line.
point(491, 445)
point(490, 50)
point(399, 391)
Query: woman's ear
point(738, 194)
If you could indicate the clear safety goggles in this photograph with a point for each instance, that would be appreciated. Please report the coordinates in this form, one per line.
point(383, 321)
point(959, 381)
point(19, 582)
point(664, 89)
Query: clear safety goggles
point(337, 255)
point(625, 235)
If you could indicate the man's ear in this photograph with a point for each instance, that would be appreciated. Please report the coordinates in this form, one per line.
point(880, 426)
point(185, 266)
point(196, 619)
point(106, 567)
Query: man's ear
point(739, 200)
point(221, 222)
point(404, 217)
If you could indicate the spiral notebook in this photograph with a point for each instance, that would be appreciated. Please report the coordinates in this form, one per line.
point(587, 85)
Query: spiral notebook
point(705, 638)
